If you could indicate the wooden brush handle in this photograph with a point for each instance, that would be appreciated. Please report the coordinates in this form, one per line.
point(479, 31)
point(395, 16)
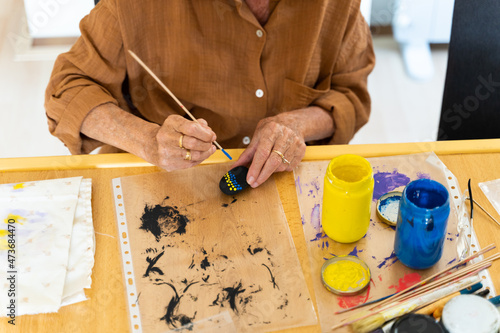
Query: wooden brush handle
point(429, 309)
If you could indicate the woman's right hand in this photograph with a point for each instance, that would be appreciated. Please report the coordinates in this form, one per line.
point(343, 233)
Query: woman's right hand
point(197, 143)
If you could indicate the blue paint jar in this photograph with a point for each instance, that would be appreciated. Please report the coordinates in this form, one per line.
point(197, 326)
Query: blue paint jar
point(422, 219)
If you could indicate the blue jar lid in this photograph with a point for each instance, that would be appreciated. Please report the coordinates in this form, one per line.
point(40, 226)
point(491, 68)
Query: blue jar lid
point(388, 207)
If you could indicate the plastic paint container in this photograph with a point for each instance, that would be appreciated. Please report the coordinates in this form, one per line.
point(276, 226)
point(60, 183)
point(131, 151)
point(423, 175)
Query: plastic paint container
point(416, 323)
point(345, 275)
point(470, 314)
point(422, 220)
point(347, 198)
point(388, 207)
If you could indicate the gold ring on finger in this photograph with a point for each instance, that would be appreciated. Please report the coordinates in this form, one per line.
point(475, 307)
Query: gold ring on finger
point(188, 155)
point(280, 154)
point(180, 141)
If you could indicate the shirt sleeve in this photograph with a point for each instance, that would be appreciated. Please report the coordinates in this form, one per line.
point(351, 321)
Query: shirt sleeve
point(89, 75)
point(348, 98)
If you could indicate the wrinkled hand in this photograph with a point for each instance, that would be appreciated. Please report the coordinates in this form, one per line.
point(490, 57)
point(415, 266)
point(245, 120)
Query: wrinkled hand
point(197, 140)
point(274, 133)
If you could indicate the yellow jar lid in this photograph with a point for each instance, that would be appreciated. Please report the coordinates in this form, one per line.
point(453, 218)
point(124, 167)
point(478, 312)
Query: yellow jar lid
point(345, 275)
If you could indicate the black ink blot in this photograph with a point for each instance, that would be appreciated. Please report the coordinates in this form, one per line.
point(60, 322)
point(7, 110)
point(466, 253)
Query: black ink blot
point(171, 317)
point(255, 250)
point(152, 263)
point(163, 220)
point(204, 264)
point(232, 293)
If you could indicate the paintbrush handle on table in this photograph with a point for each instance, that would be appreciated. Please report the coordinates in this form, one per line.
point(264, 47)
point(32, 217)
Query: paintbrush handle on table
point(429, 309)
point(374, 321)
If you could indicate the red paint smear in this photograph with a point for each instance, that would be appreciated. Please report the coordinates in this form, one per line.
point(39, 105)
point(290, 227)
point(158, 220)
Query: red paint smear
point(350, 301)
point(380, 277)
point(407, 281)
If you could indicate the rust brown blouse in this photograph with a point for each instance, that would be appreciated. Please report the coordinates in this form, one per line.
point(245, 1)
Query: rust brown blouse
point(219, 61)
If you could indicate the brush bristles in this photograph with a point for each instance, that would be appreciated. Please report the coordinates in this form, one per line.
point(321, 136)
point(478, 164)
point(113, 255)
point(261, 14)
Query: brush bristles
point(368, 324)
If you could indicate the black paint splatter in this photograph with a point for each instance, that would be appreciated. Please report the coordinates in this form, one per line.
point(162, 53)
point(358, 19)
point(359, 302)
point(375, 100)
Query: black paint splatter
point(189, 285)
point(234, 200)
point(223, 256)
point(284, 305)
point(257, 291)
point(255, 250)
point(171, 317)
point(191, 266)
point(217, 302)
point(152, 263)
point(163, 220)
point(224, 205)
point(231, 294)
point(205, 279)
point(204, 264)
point(273, 280)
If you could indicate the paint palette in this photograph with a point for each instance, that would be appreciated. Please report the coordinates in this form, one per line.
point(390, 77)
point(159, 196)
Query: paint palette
point(388, 207)
point(234, 181)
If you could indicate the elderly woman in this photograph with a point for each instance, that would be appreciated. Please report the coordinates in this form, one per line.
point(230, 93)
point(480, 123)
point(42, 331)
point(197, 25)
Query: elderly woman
point(267, 75)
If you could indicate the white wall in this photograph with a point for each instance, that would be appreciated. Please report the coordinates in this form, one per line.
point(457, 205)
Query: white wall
point(56, 18)
point(382, 12)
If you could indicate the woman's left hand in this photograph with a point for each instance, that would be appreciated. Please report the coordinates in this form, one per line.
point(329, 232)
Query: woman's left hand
point(277, 145)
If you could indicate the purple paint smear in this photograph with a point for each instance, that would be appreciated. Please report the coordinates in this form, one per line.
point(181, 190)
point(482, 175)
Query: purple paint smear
point(355, 251)
point(315, 183)
point(315, 220)
point(298, 184)
point(303, 219)
point(421, 175)
point(387, 182)
point(319, 235)
point(386, 259)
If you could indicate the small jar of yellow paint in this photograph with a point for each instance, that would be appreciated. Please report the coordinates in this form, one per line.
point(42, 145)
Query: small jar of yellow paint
point(345, 275)
point(347, 198)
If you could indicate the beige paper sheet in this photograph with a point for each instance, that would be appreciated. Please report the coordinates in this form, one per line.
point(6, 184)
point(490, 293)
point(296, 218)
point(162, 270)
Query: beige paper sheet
point(193, 255)
point(388, 275)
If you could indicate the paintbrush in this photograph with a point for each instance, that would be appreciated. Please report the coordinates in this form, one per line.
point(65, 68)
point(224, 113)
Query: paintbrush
point(374, 321)
point(429, 309)
point(428, 280)
point(172, 95)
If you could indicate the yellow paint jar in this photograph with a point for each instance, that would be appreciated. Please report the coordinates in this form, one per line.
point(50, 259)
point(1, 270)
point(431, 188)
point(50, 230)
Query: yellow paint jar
point(347, 197)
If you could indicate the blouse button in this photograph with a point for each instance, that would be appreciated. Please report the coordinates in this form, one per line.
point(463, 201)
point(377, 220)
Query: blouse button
point(259, 33)
point(246, 140)
point(259, 93)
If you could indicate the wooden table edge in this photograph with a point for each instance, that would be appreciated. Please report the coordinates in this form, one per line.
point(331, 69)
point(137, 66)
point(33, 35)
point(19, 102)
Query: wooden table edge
point(312, 153)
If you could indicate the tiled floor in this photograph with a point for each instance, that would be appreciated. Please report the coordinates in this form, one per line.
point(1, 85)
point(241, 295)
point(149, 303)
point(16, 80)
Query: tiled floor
point(402, 111)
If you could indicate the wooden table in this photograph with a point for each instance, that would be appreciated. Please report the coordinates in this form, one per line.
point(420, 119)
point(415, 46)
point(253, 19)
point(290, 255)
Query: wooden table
point(105, 311)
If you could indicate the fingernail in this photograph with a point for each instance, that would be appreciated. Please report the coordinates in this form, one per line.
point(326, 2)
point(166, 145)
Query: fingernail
point(250, 181)
point(254, 185)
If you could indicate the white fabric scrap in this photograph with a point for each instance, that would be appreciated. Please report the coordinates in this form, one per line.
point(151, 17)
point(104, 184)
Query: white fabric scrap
point(48, 229)
point(82, 249)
